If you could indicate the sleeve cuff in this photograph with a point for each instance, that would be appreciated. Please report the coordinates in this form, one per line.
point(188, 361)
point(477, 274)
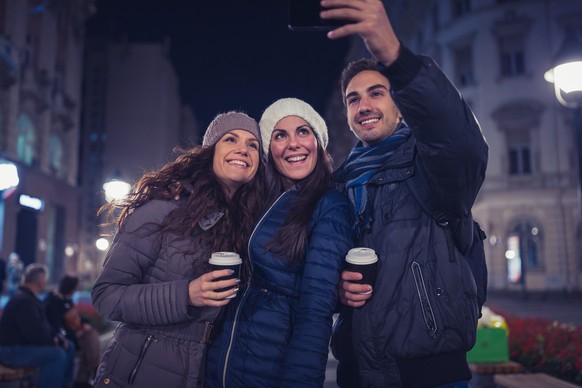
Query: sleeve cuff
point(402, 70)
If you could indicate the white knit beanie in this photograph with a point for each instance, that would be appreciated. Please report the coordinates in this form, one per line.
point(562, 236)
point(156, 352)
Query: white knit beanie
point(291, 107)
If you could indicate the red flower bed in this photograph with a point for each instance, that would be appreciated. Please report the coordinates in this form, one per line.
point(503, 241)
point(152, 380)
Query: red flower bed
point(546, 346)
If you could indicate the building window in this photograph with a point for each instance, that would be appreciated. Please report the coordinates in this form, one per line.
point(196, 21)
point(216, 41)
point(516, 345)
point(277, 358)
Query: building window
point(26, 141)
point(461, 7)
point(464, 66)
point(579, 243)
point(524, 247)
point(512, 55)
point(519, 120)
point(56, 156)
point(519, 159)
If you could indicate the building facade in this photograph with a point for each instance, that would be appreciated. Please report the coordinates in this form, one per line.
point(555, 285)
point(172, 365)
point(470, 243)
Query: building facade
point(496, 52)
point(133, 118)
point(41, 46)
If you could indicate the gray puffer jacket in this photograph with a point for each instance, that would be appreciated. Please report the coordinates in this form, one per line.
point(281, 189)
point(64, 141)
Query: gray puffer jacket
point(161, 339)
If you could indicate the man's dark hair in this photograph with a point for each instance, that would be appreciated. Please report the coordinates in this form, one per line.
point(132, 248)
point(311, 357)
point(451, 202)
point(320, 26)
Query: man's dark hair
point(33, 272)
point(68, 284)
point(352, 69)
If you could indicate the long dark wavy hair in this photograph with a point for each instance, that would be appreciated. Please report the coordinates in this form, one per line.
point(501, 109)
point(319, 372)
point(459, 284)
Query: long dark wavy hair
point(191, 178)
point(291, 239)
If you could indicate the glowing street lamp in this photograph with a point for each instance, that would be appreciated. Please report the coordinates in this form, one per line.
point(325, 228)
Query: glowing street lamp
point(116, 190)
point(8, 181)
point(8, 175)
point(102, 244)
point(566, 75)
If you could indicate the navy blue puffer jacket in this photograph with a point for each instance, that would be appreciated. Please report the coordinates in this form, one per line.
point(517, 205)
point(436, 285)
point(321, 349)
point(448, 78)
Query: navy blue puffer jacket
point(276, 333)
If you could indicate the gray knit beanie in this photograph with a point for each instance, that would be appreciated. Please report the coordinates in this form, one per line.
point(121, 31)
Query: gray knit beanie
point(226, 122)
point(291, 107)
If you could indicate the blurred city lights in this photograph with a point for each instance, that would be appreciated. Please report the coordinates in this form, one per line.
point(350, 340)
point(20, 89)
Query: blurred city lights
point(8, 175)
point(102, 244)
point(116, 190)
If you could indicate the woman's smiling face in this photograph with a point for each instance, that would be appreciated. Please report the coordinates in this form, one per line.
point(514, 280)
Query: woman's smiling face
point(236, 159)
point(294, 148)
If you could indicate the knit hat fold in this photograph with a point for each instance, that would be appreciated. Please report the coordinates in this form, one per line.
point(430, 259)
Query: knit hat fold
point(226, 122)
point(291, 107)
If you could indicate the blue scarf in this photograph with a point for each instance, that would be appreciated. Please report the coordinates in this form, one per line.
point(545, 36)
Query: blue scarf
point(361, 165)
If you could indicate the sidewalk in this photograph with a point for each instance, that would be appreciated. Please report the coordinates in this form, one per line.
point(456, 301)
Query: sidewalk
point(561, 307)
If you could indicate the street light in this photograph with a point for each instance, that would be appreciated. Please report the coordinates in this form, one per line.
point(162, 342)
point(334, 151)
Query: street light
point(116, 190)
point(566, 75)
point(8, 180)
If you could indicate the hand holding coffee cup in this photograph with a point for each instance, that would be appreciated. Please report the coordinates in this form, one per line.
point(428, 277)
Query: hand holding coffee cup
point(364, 261)
point(226, 260)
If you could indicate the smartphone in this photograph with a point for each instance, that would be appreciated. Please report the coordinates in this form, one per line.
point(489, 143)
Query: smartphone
point(304, 16)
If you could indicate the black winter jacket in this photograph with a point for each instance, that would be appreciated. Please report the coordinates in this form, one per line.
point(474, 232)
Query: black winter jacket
point(24, 322)
point(422, 317)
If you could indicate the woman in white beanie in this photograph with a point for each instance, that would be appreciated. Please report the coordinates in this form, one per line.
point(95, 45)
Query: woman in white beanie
point(155, 279)
point(276, 333)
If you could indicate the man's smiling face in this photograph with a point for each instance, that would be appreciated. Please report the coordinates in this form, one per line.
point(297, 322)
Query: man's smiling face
point(371, 112)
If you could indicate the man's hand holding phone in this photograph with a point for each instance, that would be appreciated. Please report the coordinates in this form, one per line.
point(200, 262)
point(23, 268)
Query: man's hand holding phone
point(304, 15)
point(367, 18)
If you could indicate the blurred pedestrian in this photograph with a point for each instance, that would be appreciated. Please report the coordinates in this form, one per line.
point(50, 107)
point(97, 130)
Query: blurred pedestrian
point(26, 336)
point(156, 279)
point(14, 272)
point(2, 275)
point(65, 318)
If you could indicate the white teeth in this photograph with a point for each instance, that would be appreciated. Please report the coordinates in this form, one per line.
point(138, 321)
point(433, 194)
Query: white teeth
point(296, 158)
point(369, 121)
point(238, 162)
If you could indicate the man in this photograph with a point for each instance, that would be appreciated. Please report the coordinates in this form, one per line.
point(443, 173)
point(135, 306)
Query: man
point(26, 338)
point(14, 272)
point(2, 275)
point(63, 316)
point(419, 320)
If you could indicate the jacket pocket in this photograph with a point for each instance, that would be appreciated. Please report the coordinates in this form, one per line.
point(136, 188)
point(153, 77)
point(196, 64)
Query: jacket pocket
point(426, 307)
point(147, 343)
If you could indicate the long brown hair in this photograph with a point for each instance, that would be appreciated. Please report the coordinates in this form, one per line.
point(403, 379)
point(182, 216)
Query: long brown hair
point(191, 178)
point(290, 240)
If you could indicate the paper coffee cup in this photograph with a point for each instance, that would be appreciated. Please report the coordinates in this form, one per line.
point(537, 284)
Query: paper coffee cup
point(225, 260)
point(364, 261)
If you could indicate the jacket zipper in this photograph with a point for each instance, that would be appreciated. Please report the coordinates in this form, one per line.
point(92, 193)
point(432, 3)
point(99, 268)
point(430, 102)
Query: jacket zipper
point(426, 308)
point(235, 321)
point(148, 341)
point(450, 243)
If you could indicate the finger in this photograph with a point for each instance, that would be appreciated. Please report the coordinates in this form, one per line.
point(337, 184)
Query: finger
point(351, 303)
point(357, 296)
point(351, 276)
point(221, 273)
point(341, 3)
point(355, 304)
point(213, 296)
point(217, 285)
point(228, 294)
point(356, 288)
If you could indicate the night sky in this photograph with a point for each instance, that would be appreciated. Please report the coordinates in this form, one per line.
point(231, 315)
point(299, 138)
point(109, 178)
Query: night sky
point(236, 54)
